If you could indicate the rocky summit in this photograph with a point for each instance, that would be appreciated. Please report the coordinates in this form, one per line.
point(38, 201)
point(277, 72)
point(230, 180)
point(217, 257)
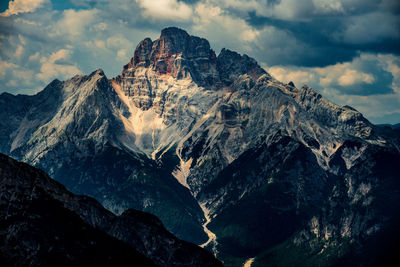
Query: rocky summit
point(255, 170)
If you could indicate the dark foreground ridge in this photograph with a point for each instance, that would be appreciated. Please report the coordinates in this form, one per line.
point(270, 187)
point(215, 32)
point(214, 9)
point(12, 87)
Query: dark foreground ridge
point(43, 224)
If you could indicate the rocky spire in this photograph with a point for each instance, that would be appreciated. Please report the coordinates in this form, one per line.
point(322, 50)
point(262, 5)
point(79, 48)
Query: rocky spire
point(142, 53)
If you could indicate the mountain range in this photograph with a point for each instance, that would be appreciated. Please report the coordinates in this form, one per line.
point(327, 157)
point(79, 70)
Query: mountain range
point(224, 154)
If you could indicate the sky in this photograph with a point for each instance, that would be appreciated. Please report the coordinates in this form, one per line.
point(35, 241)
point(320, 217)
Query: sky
point(348, 50)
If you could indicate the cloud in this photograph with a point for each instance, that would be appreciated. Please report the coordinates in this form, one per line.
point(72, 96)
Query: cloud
point(57, 66)
point(118, 41)
point(122, 55)
point(17, 77)
point(292, 10)
point(307, 10)
point(16, 7)
point(34, 57)
point(5, 66)
point(75, 22)
point(222, 29)
point(370, 28)
point(328, 6)
point(101, 26)
point(316, 28)
point(367, 74)
point(351, 77)
point(19, 51)
point(84, 3)
point(165, 9)
point(299, 77)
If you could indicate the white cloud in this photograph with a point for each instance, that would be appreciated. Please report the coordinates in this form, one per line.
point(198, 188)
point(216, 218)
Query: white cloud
point(240, 5)
point(350, 77)
point(16, 7)
point(165, 9)
point(34, 56)
point(118, 41)
point(5, 66)
point(75, 22)
point(296, 10)
point(328, 6)
point(101, 26)
point(217, 25)
point(51, 67)
point(299, 77)
point(19, 51)
point(122, 55)
point(24, 76)
point(20, 47)
point(342, 74)
point(16, 76)
point(283, 9)
point(100, 44)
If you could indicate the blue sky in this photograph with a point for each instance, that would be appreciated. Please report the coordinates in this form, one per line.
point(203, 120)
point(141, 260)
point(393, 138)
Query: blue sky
point(349, 50)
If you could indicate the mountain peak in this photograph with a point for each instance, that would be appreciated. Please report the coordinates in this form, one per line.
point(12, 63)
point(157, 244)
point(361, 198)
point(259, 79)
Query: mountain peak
point(175, 53)
point(96, 75)
point(173, 31)
point(173, 42)
point(99, 72)
point(142, 53)
point(180, 55)
point(231, 64)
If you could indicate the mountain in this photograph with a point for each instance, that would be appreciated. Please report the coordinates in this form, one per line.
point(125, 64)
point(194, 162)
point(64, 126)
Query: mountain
point(394, 126)
point(74, 131)
point(216, 147)
point(44, 224)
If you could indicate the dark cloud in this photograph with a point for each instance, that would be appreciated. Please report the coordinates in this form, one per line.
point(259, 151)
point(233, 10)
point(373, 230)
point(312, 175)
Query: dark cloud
point(331, 38)
point(306, 43)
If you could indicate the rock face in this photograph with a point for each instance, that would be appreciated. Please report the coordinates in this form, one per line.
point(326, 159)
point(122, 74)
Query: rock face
point(78, 123)
point(175, 54)
point(44, 224)
point(277, 169)
point(178, 54)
